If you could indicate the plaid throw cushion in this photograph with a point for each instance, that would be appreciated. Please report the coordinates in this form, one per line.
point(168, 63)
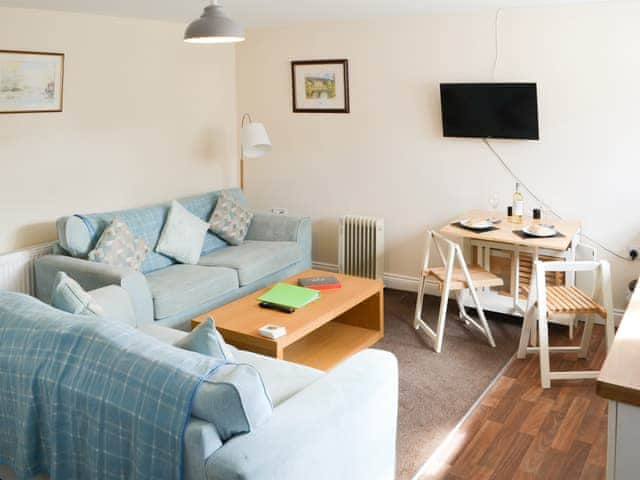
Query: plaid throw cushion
point(117, 246)
point(230, 220)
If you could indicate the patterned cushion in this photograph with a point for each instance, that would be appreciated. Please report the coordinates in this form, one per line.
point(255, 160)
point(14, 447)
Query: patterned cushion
point(117, 246)
point(182, 236)
point(230, 220)
point(145, 223)
point(206, 339)
point(70, 297)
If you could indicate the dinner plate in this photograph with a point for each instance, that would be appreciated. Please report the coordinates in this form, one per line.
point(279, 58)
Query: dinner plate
point(540, 230)
point(476, 225)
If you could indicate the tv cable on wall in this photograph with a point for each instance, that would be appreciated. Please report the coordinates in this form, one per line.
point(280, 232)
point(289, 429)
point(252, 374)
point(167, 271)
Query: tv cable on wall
point(516, 177)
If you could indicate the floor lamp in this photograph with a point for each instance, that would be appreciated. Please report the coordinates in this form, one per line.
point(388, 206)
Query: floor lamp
point(254, 142)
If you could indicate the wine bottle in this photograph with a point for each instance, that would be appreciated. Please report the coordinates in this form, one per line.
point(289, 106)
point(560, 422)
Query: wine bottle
point(518, 205)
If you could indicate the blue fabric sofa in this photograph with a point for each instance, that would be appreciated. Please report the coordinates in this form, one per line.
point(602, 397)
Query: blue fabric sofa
point(339, 424)
point(171, 294)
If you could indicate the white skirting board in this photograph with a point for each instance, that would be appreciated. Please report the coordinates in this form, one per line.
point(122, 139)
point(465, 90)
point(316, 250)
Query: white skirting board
point(410, 284)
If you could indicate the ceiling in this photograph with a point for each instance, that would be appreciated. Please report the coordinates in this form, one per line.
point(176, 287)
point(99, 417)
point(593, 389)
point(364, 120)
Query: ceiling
point(274, 12)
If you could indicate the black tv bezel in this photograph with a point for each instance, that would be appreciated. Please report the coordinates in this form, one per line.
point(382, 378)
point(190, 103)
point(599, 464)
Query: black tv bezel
point(491, 84)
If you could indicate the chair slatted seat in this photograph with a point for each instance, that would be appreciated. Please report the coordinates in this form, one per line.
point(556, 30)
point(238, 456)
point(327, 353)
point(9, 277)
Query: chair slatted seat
point(572, 300)
point(479, 276)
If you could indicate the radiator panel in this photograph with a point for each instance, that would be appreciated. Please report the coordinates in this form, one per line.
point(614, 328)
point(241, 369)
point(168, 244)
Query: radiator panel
point(361, 246)
point(16, 268)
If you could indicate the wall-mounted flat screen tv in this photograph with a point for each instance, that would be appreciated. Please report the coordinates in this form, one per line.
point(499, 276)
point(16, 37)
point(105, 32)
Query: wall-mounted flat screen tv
point(490, 110)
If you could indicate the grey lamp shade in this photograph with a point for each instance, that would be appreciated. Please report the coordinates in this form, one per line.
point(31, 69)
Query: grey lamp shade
point(255, 141)
point(214, 26)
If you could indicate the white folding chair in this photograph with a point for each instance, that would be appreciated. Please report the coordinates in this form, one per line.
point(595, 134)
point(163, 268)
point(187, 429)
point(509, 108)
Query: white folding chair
point(544, 302)
point(448, 279)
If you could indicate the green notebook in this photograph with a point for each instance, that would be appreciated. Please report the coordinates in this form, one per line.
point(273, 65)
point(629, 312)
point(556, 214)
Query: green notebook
point(290, 295)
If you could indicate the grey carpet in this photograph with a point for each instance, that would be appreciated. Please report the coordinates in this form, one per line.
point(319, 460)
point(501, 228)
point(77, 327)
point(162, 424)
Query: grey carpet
point(436, 390)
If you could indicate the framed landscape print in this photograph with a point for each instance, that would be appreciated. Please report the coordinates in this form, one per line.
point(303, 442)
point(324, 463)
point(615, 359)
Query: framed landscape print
point(320, 86)
point(31, 81)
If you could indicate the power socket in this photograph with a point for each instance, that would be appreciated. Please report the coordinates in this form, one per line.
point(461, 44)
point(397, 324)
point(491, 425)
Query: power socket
point(634, 252)
point(279, 211)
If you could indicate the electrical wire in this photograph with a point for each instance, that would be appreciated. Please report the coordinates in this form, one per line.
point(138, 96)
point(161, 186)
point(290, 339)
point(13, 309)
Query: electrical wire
point(545, 205)
point(497, 43)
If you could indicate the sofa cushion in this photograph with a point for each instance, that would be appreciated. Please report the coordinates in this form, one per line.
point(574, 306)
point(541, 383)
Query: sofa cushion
point(255, 259)
point(67, 295)
point(230, 219)
point(181, 287)
point(206, 340)
point(183, 234)
point(283, 379)
point(119, 247)
point(144, 223)
point(78, 234)
point(202, 206)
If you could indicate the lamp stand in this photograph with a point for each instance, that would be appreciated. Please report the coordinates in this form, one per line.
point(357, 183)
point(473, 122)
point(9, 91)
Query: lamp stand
point(245, 117)
point(241, 170)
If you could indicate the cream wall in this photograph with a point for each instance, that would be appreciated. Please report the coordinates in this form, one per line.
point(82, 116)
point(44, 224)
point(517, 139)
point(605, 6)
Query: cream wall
point(388, 158)
point(146, 118)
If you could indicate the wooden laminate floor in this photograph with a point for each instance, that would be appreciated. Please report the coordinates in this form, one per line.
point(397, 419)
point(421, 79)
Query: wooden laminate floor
point(520, 431)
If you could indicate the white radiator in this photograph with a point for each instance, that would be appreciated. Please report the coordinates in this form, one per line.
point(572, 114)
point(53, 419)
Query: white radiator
point(361, 246)
point(16, 268)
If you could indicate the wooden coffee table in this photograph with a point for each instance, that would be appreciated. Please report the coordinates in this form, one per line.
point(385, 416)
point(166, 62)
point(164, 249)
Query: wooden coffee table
point(321, 334)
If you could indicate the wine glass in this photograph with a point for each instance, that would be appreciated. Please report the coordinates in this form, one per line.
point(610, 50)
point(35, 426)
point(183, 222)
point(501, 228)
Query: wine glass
point(494, 202)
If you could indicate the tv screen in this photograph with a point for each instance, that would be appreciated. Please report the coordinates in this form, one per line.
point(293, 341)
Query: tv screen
point(490, 110)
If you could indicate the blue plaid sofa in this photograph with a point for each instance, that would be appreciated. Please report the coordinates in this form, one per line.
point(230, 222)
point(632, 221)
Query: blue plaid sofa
point(169, 293)
point(339, 424)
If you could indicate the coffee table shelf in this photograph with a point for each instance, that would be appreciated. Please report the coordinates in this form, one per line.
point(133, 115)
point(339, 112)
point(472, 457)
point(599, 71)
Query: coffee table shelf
point(329, 344)
point(337, 325)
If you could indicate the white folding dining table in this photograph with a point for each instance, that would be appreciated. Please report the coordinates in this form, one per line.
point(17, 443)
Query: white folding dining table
point(478, 248)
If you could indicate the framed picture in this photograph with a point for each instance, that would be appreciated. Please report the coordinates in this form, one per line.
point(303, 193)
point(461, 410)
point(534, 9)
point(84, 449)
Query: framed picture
point(320, 86)
point(31, 81)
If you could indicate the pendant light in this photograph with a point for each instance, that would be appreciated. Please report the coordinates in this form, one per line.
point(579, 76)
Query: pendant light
point(214, 26)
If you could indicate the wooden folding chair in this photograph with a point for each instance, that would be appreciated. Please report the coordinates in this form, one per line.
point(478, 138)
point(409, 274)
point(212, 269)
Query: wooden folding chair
point(544, 302)
point(449, 278)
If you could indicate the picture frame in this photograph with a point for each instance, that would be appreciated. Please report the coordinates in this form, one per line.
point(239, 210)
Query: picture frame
point(320, 86)
point(31, 82)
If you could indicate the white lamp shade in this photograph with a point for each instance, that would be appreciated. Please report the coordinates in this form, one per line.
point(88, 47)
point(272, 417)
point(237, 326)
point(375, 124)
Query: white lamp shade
point(255, 141)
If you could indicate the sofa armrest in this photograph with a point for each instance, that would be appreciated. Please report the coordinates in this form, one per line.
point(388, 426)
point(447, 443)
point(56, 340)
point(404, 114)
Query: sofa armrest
point(269, 227)
point(201, 439)
point(341, 426)
point(91, 276)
